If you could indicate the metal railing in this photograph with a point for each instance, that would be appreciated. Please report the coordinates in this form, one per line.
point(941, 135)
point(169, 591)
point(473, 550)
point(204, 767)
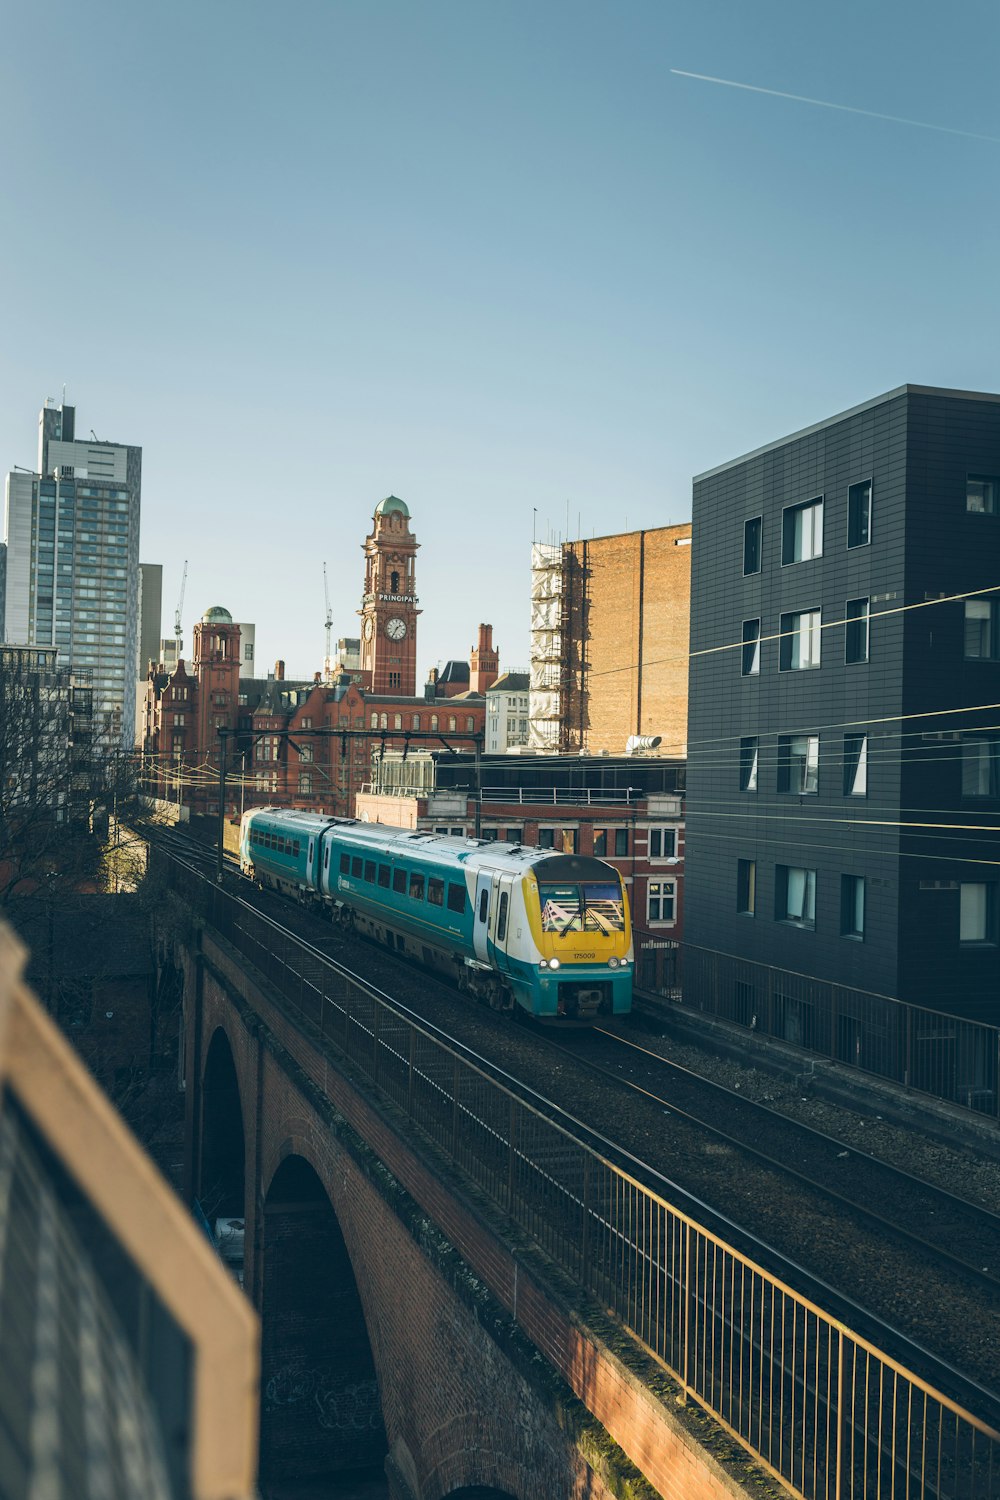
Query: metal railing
point(818, 1405)
point(935, 1053)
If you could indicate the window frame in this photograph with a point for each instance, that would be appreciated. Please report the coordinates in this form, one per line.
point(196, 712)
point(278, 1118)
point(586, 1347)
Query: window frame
point(988, 747)
point(853, 511)
point(857, 632)
point(664, 832)
point(991, 508)
point(850, 888)
point(661, 892)
point(749, 762)
point(855, 764)
point(781, 896)
point(746, 887)
point(790, 634)
point(788, 530)
point(993, 652)
point(988, 939)
point(793, 766)
point(749, 551)
point(750, 664)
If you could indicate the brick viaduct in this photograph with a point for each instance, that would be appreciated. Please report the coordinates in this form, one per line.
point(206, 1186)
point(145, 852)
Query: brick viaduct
point(401, 1324)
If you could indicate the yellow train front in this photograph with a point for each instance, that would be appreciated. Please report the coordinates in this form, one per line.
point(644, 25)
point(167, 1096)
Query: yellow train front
point(555, 928)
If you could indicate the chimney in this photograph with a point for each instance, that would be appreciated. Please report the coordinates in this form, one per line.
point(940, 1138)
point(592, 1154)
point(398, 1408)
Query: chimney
point(279, 671)
point(317, 677)
point(484, 664)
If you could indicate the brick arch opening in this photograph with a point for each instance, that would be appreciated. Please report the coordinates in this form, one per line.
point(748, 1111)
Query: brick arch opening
point(222, 1172)
point(321, 1411)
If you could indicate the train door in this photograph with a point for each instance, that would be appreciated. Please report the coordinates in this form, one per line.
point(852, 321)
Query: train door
point(483, 916)
point(500, 925)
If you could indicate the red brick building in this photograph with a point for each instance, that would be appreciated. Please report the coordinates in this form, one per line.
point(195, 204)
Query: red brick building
point(311, 744)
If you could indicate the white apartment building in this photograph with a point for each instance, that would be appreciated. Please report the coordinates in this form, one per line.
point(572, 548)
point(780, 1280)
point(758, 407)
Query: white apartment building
point(507, 713)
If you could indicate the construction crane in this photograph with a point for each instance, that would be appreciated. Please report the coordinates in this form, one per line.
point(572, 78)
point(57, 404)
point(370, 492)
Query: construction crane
point(180, 606)
point(327, 661)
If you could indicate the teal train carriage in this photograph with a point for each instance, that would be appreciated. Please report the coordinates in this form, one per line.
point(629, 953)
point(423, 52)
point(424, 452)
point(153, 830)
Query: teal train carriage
point(510, 925)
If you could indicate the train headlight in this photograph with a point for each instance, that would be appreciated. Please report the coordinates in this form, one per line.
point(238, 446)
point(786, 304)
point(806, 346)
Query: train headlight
point(612, 963)
point(543, 963)
point(553, 963)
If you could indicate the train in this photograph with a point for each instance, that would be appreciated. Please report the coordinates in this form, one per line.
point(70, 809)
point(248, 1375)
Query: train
point(511, 925)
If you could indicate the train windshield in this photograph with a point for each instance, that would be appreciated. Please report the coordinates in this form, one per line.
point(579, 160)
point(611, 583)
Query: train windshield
point(590, 906)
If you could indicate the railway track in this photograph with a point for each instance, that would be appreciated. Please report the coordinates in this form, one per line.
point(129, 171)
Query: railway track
point(788, 1195)
point(963, 1234)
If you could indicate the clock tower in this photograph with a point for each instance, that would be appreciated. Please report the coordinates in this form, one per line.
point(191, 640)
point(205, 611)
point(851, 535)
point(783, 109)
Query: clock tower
point(389, 605)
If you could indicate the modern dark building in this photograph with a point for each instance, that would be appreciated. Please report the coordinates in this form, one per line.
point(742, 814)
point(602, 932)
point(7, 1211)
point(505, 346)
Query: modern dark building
point(844, 730)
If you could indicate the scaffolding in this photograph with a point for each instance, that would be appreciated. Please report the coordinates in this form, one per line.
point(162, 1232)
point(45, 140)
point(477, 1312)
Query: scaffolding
point(546, 646)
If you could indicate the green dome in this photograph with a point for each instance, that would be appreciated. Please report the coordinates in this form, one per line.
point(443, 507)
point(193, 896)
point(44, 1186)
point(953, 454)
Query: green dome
point(392, 506)
point(217, 616)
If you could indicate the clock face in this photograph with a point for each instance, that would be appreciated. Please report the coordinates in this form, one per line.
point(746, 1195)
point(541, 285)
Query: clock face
point(368, 628)
point(396, 629)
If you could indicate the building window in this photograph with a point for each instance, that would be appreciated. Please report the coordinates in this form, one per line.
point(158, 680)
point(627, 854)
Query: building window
point(568, 840)
point(981, 495)
point(395, 680)
point(374, 718)
point(800, 641)
point(305, 783)
point(751, 648)
point(798, 763)
point(415, 722)
point(397, 721)
point(980, 766)
point(977, 913)
point(248, 653)
point(795, 895)
point(852, 906)
point(600, 842)
point(305, 752)
point(662, 843)
point(752, 533)
point(859, 514)
point(660, 899)
point(546, 838)
point(470, 723)
point(621, 843)
point(746, 886)
point(802, 531)
point(452, 723)
point(306, 724)
point(980, 630)
point(855, 765)
point(434, 721)
point(748, 763)
point(856, 613)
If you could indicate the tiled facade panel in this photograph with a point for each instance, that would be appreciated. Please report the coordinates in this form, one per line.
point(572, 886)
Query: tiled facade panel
point(627, 600)
point(916, 448)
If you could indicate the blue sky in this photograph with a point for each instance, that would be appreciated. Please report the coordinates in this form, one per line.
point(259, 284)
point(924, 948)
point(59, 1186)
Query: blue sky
point(495, 258)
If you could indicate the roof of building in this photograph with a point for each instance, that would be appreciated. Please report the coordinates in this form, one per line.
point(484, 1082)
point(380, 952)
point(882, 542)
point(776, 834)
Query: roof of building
point(217, 615)
point(511, 682)
point(454, 671)
point(392, 506)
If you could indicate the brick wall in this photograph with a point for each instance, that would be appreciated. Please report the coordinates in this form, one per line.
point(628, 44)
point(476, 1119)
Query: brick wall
point(452, 1314)
point(628, 605)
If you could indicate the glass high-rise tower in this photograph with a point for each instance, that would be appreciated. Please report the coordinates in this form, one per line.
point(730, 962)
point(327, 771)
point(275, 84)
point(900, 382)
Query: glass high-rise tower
point(72, 534)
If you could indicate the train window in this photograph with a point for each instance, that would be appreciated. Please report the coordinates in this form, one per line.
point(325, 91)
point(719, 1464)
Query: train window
point(356, 864)
point(435, 890)
point(399, 882)
point(384, 876)
point(345, 864)
point(326, 857)
point(484, 904)
point(370, 871)
point(592, 907)
point(416, 887)
point(502, 918)
point(456, 897)
point(296, 847)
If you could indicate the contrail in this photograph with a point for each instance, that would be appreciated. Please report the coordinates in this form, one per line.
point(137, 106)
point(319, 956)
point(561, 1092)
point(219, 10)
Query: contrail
point(849, 109)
